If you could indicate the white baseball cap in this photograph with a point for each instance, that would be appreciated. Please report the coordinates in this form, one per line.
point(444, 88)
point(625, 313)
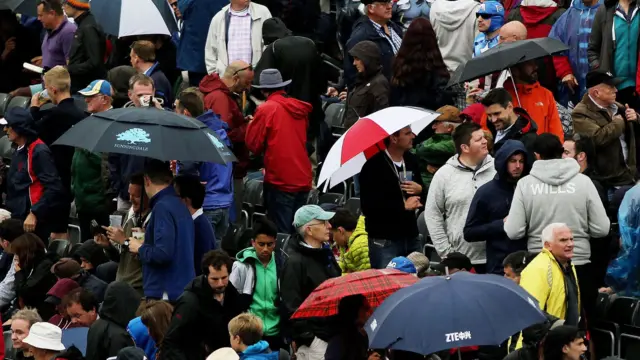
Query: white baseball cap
point(43, 335)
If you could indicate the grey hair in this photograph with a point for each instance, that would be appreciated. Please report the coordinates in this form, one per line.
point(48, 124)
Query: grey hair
point(29, 315)
point(547, 232)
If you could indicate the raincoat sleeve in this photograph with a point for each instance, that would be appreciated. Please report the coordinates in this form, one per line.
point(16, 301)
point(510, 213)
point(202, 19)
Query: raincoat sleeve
point(561, 62)
point(601, 135)
point(479, 226)
point(434, 215)
point(599, 224)
point(45, 170)
point(256, 136)
point(595, 39)
point(516, 224)
point(535, 281)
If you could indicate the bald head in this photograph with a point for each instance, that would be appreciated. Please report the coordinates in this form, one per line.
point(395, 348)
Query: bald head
point(512, 31)
point(238, 76)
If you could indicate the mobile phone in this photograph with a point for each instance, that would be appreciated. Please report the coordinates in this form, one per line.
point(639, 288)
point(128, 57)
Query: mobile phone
point(96, 229)
point(146, 100)
point(406, 176)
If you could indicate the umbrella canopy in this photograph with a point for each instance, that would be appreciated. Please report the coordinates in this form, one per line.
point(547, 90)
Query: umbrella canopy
point(364, 139)
point(148, 132)
point(134, 17)
point(25, 7)
point(375, 285)
point(76, 337)
point(444, 312)
point(504, 56)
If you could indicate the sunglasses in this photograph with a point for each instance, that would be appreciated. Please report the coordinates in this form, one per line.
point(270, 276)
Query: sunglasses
point(250, 67)
point(484, 16)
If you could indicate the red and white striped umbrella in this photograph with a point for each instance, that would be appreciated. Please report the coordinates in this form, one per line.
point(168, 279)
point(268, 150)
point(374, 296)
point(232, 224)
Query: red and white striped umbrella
point(365, 139)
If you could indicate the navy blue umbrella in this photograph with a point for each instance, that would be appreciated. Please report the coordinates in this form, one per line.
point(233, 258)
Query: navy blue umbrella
point(134, 17)
point(148, 132)
point(76, 337)
point(444, 312)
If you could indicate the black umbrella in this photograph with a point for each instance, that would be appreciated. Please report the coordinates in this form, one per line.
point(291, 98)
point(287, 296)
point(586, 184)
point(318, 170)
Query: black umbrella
point(148, 132)
point(504, 56)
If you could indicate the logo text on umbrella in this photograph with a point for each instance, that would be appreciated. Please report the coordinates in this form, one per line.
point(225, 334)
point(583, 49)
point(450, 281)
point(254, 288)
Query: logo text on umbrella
point(133, 137)
point(458, 336)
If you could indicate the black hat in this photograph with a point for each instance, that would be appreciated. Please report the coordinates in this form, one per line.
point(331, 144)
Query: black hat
point(456, 260)
point(597, 77)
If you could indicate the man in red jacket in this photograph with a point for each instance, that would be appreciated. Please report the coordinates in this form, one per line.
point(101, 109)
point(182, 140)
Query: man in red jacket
point(279, 129)
point(221, 95)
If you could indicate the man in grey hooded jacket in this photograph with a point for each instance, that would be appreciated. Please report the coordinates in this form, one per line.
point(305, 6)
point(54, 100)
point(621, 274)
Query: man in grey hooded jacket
point(556, 191)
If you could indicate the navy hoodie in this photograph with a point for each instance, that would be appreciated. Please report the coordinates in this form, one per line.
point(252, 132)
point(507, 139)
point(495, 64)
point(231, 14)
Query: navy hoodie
point(489, 207)
point(167, 253)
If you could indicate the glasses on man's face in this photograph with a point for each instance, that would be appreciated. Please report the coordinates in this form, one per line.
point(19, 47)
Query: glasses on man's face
point(483, 16)
point(174, 4)
point(250, 67)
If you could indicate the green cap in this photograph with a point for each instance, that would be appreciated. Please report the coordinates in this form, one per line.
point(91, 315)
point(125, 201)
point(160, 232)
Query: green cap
point(308, 213)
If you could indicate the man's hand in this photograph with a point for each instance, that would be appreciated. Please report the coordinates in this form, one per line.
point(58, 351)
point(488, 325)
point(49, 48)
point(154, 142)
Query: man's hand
point(412, 203)
point(331, 92)
point(30, 223)
point(16, 263)
point(629, 113)
point(248, 118)
point(343, 96)
point(101, 240)
point(115, 234)
point(37, 100)
point(374, 356)
point(156, 103)
point(570, 82)
point(606, 290)
point(9, 46)
point(37, 61)
point(411, 187)
point(473, 96)
point(134, 245)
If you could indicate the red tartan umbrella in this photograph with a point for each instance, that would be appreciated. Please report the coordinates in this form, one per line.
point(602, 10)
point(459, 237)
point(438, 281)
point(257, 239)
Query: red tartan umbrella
point(375, 285)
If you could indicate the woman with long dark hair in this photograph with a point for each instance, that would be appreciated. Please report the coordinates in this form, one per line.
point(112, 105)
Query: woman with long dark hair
point(33, 277)
point(420, 75)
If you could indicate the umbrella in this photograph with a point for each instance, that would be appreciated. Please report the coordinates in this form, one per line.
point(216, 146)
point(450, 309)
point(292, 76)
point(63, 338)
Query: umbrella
point(504, 56)
point(134, 17)
point(76, 337)
point(364, 139)
point(148, 132)
point(444, 312)
point(25, 7)
point(375, 285)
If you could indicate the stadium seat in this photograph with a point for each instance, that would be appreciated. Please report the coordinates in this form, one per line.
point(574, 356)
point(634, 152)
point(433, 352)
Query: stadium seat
point(313, 197)
point(353, 205)
point(334, 114)
point(253, 193)
point(257, 217)
point(4, 100)
point(59, 246)
point(331, 198)
point(18, 101)
point(75, 236)
point(623, 310)
point(74, 248)
point(8, 345)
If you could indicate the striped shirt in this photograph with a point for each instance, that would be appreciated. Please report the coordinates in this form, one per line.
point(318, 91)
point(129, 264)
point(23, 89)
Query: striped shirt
point(394, 40)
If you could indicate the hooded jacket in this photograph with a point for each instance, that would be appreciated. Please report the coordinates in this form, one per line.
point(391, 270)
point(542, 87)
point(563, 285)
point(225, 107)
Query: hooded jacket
point(218, 177)
point(91, 283)
point(219, 99)
point(259, 351)
point(363, 30)
point(455, 25)
point(371, 91)
point(279, 129)
point(556, 192)
point(434, 151)
point(610, 166)
point(108, 334)
point(489, 207)
point(355, 257)
point(33, 283)
point(538, 16)
point(540, 104)
point(140, 335)
point(524, 129)
point(87, 54)
point(259, 287)
point(303, 271)
point(450, 193)
point(573, 28)
point(92, 252)
point(197, 309)
point(88, 181)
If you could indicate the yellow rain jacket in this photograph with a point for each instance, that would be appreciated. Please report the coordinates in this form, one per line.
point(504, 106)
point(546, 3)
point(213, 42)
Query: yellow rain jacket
point(356, 256)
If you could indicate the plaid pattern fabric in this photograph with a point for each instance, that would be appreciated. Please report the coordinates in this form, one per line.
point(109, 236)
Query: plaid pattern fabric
point(239, 42)
point(376, 285)
point(394, 40)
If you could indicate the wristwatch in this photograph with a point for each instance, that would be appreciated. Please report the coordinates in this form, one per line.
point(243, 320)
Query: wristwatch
point(126, 242)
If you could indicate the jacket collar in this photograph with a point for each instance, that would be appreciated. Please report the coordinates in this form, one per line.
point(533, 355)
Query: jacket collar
point(593, 107)
point(168, 191)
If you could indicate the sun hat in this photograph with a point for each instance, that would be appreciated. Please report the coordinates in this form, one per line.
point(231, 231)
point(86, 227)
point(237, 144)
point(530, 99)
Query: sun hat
point(97, 87)
point(308, 213)
point(43, 335)
point(271, 79)
point(225, 353)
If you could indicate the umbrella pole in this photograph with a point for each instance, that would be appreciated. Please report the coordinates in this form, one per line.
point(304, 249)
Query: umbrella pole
point(515, 89)
point(459, 354)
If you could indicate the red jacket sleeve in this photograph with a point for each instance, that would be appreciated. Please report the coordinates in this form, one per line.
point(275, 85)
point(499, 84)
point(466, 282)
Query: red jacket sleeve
point(554, 125)
point(562, 65)
point(219, 105)
point(256, 135)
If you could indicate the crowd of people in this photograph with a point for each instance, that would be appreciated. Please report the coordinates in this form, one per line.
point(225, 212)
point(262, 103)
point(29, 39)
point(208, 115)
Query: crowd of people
point(522, 174)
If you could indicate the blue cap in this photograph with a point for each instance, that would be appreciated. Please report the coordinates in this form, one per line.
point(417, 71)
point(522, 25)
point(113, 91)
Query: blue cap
point(493, 8)
point(403, 264)
point(308, 213)
point(97, 87)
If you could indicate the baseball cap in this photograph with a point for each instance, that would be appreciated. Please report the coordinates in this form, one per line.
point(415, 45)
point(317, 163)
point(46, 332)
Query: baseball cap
point(309, 213)
point(97, 87)
point(449, 113)
point(597, 77)
point(403, 264)
point(493, 8)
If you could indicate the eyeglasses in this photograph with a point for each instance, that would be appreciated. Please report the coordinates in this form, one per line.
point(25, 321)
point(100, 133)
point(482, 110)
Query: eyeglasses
point(484, 16)
point(174, 4)
point(250, 67)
